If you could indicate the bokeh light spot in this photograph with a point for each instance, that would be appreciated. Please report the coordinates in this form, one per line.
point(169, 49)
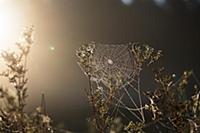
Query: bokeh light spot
point(127, 2)
point(160, 3)
point(52, 48)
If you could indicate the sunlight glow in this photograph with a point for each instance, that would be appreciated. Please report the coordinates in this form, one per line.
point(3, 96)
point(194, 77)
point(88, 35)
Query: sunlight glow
point(9, 25)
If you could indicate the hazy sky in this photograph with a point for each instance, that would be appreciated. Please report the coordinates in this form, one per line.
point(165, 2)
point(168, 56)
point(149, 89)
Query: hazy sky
point(63, 25)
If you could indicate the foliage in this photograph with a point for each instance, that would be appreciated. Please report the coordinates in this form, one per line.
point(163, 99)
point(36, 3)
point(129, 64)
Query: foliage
point(13, 119)
point(173, 106)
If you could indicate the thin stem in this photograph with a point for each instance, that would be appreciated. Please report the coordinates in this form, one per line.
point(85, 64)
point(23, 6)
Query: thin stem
point(90, 94)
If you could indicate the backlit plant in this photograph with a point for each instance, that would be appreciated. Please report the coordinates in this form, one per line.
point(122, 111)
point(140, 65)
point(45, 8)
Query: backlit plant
point(115, 92)
point(13, 118)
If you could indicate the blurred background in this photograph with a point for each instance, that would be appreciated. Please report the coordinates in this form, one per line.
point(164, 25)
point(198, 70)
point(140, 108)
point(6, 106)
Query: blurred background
point(61, 26)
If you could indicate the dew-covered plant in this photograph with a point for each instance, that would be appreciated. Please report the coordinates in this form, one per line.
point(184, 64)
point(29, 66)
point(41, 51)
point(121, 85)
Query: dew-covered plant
point(175, 103)
point(120, 104)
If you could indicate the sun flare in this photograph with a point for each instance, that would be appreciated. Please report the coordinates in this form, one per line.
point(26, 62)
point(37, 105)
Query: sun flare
point(9, 25)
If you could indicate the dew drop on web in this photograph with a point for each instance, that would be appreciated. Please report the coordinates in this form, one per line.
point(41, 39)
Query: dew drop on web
point(110, 62)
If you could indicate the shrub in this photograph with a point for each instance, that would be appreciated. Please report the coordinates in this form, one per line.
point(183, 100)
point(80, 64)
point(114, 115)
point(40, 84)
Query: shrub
point(117, 99)
point(13, 119)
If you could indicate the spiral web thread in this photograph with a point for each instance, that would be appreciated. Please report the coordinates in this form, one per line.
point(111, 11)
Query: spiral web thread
point(112, 60)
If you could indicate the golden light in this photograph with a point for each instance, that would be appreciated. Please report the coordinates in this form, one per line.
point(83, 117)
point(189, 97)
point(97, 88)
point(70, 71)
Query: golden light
point(10, 22)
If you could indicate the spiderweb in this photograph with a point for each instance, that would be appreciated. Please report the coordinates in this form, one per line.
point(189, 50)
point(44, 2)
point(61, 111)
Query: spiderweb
point(113, 61)
point(118, 66)
point(118, 60)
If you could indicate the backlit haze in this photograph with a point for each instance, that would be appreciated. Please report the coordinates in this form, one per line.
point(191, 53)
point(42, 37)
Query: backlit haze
point(61, 26)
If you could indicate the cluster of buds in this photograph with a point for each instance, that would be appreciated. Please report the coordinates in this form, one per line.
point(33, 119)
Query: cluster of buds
point(84, 54)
